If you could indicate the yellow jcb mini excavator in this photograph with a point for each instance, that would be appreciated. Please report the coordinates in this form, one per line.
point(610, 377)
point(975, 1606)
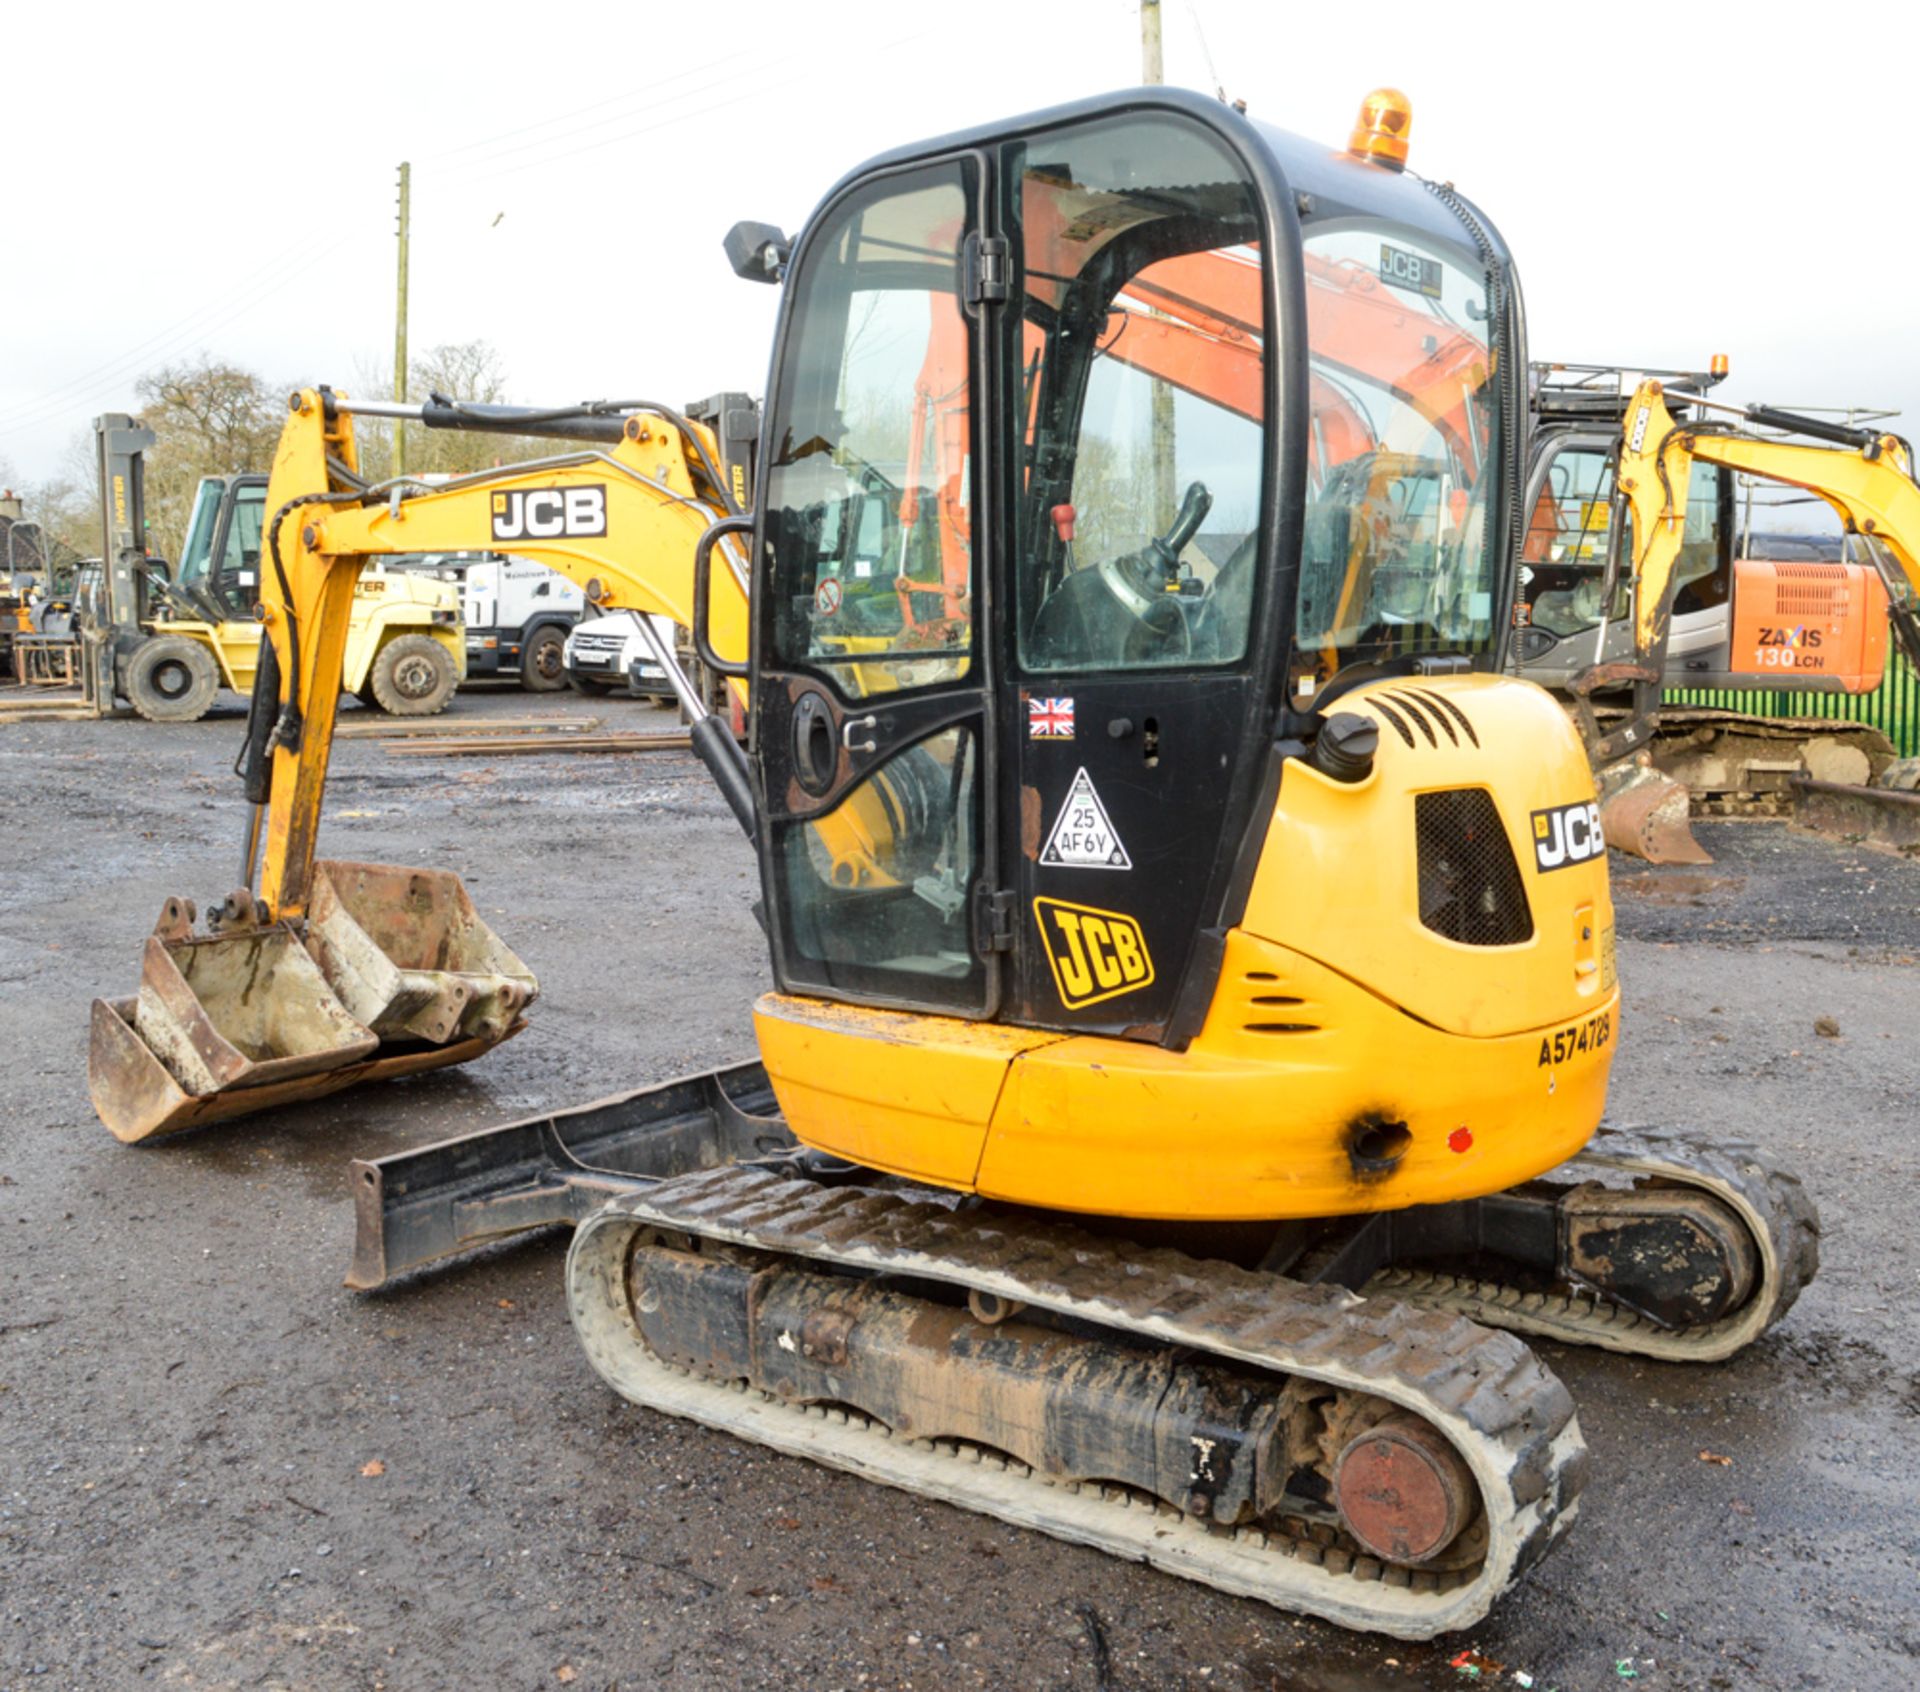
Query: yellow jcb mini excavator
point(1194, 961)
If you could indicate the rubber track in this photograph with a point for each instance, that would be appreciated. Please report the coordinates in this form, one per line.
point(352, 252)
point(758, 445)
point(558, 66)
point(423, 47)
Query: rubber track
point(1508, 1415)
point(1773, 1204)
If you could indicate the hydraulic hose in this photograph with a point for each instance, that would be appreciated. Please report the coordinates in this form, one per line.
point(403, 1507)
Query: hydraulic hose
point(594, 420)
point(254, 766)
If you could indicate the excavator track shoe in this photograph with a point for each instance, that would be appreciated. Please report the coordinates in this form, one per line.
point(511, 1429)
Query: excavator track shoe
point(1489, 1405)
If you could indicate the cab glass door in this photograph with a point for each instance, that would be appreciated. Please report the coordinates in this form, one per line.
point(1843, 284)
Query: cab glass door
point(870, 704)
point(1136, 575)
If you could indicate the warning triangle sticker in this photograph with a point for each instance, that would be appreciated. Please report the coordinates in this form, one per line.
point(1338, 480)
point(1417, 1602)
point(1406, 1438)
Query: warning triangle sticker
point(1083, 835)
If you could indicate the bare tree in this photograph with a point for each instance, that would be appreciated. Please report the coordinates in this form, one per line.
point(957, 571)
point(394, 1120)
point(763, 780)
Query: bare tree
point(468, 371)
point(210, 418)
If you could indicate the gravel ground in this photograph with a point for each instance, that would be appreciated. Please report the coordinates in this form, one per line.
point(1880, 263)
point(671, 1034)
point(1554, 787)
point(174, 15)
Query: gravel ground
point(220, 1469)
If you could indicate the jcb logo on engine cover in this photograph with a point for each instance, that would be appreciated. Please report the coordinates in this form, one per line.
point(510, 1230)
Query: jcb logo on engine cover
point(1567, 834)
point(522, 514)
point(1094, 954)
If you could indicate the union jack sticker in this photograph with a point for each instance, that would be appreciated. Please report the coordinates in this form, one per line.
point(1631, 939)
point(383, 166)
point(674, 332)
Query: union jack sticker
point(1049, 719)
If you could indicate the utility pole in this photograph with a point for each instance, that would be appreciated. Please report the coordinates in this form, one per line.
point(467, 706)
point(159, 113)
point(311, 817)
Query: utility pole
point(400, 322)
point(1153, 72)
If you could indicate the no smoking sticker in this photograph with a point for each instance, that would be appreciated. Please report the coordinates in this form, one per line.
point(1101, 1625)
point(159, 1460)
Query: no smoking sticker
point(1083, 835)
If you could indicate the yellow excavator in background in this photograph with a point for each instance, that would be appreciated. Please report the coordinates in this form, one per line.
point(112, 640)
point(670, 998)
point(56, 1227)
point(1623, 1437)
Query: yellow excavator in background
point(1194, 975)
point(1866, 476)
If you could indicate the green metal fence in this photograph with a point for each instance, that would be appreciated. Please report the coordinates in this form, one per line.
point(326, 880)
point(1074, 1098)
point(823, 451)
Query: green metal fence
point(1893, 707)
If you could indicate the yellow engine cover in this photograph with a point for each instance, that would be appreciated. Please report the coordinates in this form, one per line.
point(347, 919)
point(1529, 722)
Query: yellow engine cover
point(1372, 1042)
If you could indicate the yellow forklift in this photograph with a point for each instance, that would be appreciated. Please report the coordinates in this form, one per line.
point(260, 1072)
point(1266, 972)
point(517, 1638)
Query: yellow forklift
point(165, 640)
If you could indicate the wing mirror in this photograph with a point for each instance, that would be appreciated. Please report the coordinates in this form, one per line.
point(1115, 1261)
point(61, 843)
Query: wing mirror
point(758, 252)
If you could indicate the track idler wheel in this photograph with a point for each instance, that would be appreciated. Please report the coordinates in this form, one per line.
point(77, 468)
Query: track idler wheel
point(1403, 1491)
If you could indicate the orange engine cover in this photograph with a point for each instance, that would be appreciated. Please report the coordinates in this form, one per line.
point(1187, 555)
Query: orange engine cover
point(1809, 620)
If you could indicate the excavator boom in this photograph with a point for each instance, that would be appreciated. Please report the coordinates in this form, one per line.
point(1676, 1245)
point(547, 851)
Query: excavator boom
point(1866, 477)
point(382, 970)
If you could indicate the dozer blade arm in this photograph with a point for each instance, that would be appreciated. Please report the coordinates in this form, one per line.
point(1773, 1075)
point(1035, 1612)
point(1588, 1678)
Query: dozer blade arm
point(336, 972)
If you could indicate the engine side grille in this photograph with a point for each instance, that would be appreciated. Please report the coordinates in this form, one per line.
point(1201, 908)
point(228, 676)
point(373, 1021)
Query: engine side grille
point(1436, 716)
point(1470, 888)
point(1816, 599)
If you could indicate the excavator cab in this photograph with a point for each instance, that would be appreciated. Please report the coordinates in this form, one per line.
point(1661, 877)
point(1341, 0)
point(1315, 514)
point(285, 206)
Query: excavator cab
point(1201, 439)
point(1573, 604)
point(1128, 618)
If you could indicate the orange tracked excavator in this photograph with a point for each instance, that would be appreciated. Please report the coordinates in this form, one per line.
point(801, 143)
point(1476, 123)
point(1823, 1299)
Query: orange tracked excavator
point(1194, 981)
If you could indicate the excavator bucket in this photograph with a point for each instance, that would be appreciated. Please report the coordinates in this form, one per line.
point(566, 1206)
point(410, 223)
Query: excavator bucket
point(1645, 813)
point(409, 956)
point(394, 973)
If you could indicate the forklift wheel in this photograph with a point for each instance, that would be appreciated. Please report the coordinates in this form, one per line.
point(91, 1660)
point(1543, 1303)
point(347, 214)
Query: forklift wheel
point(171, 679)
point(414, 676)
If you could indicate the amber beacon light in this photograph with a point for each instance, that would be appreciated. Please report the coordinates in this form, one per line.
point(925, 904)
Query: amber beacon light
point(1386, 120)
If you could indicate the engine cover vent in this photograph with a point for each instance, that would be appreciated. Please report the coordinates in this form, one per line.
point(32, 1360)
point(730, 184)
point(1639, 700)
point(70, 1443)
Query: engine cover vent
point(1470, 888)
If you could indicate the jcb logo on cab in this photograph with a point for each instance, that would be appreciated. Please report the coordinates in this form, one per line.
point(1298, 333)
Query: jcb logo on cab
point(1567, 834)
point(1094, 954)
point(522, 514)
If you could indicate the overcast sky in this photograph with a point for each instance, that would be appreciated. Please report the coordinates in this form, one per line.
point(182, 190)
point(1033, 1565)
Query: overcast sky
point(1675, 180)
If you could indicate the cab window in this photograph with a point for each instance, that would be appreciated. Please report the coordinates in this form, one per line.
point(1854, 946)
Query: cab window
point(1563, 558)
point(868, 496)
point(1142, 381)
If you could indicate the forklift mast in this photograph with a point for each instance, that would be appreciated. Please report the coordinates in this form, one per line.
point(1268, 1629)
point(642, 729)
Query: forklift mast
point(120, 448)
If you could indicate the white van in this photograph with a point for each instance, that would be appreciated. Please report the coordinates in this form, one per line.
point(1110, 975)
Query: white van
point(609, 655)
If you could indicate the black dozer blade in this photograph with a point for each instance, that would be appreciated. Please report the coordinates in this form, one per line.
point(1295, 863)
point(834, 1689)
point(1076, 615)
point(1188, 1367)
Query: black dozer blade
point(419, 1207)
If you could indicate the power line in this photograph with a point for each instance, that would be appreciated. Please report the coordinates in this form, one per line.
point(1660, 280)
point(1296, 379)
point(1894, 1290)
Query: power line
point(781, 73)
point(481, 178)
point(79, 397)
point(1206, 52)
point(629, 96)
point(284, 265)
